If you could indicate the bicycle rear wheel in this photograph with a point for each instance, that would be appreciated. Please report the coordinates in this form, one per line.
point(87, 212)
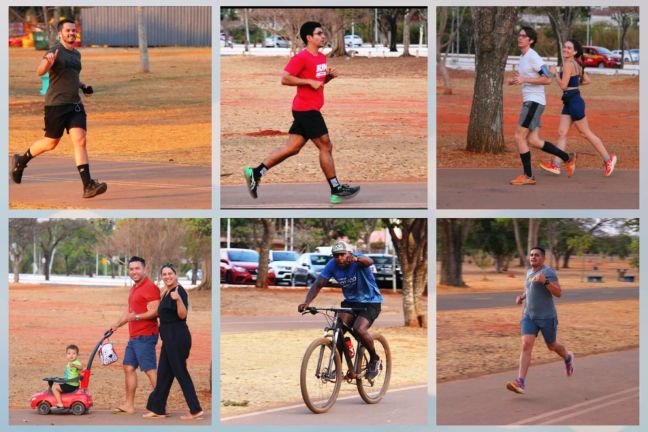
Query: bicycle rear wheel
point(320, 384)
point(372, 391)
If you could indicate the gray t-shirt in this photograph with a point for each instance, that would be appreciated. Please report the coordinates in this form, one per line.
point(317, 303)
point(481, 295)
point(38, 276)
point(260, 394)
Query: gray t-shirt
point(539, 301)
point(64, 77)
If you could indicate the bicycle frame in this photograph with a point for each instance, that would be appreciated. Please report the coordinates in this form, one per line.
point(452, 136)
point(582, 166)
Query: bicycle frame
point(334, 331)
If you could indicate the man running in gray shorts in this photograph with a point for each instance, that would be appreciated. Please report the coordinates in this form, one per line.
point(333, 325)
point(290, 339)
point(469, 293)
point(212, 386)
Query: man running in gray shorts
point(533, 75)
point(539, 315)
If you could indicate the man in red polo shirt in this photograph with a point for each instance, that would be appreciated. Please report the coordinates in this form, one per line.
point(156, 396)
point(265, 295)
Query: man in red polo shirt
point(141, 316)
point(309, 72)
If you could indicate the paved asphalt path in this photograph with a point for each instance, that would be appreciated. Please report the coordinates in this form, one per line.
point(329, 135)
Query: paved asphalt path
point(405, 406)
point(316, 195)
point(507, 299)
point(53, 182)
point(478, 188)
point(604, 390)
point(239, 324)
point(100, 417)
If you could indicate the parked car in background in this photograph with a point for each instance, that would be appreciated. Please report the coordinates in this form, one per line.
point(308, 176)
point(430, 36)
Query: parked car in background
point(600, 57)
point(275, 41)
point(282, 263)
point(628, 56)
point(635, 54)
point(353, 41)
point(308, 267)
point(199, 274)
point(384, 274)
point(240, 266)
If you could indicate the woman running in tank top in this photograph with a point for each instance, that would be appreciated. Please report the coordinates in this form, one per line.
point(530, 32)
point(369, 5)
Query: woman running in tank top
point(573, 112)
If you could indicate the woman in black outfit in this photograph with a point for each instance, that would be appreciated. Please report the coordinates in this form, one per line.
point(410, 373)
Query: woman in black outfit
point(176, 344)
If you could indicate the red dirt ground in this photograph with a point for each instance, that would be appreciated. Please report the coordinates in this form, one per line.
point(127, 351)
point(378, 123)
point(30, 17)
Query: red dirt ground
point(44, 319)
point(612, 107)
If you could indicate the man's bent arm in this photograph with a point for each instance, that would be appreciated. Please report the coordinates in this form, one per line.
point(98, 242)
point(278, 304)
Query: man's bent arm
point(314, 290)
point(291, 80)
point(554, 288)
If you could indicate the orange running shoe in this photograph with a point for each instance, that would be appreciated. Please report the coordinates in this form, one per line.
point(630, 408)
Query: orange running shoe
point(609, 165)
point(570, 165)
point(522, 180)
point(550, 167)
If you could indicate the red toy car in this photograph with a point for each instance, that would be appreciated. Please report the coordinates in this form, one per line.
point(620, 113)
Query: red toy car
point(77, 402)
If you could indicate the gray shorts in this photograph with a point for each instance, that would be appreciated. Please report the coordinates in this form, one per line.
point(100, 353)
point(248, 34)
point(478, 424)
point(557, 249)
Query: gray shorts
point(530, 115)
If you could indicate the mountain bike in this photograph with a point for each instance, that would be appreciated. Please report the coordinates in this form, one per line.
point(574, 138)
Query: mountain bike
point(321, 369)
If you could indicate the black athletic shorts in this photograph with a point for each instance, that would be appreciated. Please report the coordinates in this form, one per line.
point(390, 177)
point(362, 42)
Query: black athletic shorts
point(309, 124)
point(370, 312)
point(59, 118)
point(67, 388)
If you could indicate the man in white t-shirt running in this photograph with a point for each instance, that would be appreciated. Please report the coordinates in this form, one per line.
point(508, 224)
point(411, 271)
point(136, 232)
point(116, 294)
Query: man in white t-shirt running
point(533, 75)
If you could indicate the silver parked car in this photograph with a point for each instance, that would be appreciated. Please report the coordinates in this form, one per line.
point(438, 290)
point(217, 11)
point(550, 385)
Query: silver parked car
point(282, 262)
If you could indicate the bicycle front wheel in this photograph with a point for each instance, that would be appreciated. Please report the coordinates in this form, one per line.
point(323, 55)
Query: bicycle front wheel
point(320, 378)
point(373, 390)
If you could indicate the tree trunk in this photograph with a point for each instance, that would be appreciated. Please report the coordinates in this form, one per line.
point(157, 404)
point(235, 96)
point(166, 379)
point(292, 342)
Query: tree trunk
point(16, 258)
point(247, 30)
point(393, 25)
point(453, 234)
point(206, 283)
point(194, 272)
point(518, 243)
point(337, 41)
point(409, 310)
point(441, 59)
point(142, 41)
point(411, 248)
point(264, 253)
point(561, 19)
point(407, 20)
point(532, 238)
point(46, 265)
point(493, 30)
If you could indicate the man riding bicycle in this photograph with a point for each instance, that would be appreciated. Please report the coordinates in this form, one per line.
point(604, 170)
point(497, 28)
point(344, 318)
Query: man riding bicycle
point(360, 290)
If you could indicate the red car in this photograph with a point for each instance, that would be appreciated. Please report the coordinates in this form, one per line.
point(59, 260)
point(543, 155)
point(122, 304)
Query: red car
point(600, 57)
point(240, 266)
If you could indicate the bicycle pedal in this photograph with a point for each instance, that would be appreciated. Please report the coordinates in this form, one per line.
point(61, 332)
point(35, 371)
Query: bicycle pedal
point(350, 377)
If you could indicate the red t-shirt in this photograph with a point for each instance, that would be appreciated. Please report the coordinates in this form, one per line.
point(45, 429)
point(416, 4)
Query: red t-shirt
point(308, 66)
point(141, 294)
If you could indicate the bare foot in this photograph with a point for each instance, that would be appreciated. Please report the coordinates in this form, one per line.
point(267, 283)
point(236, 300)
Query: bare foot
point(152, 415)
point(120, 410)
point(197, 416)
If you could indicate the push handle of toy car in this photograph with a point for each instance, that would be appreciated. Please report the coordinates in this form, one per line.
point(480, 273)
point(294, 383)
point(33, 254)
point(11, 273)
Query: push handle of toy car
point(108, 333)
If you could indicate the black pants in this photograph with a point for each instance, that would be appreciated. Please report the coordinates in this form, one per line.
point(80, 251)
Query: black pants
point(176, 344)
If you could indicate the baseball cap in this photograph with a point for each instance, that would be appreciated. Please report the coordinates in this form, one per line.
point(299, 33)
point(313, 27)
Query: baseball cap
point(340, 248)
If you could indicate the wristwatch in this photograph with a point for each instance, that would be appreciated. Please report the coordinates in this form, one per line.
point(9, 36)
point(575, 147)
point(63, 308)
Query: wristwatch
point(137, 317)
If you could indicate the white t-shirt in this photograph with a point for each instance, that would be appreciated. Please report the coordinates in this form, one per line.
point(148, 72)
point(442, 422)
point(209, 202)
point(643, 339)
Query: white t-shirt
point(529, 67)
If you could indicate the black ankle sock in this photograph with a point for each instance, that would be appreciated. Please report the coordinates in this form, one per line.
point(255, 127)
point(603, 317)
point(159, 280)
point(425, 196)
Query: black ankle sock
point(259, 171)
point(552, 149)
point(333, 183)
point(526, 163)
point(25, 157)
point(84, 172)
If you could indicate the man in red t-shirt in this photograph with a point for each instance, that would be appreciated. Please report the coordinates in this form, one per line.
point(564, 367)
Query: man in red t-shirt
point(309, 72)
point(141, 316)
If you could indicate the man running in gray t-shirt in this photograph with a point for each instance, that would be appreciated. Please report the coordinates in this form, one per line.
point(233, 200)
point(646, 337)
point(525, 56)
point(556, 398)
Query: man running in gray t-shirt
point(541, 285)
point(63, 109)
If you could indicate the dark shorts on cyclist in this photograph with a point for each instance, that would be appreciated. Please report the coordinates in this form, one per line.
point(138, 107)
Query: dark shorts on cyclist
point(370, 312)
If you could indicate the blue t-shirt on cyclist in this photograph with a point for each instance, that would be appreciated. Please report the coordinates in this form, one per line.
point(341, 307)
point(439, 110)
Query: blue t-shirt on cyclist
point(357, 281)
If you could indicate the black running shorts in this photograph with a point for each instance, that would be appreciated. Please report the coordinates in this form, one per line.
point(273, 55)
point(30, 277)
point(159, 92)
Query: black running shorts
point(59, 118)
point(370, 310)
point(309, 124)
